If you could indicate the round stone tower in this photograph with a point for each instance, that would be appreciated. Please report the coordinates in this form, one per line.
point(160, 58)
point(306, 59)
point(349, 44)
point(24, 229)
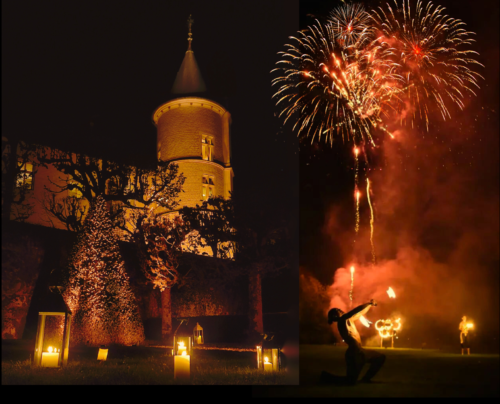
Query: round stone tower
point(194, 132)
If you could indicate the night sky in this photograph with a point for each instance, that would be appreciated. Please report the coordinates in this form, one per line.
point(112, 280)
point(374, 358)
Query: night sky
point(435, 192)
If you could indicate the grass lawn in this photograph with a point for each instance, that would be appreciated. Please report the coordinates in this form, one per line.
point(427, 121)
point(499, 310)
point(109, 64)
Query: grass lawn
point(136, 365)
point(406, 373)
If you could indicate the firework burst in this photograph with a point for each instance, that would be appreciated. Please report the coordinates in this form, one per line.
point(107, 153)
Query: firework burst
point(432, 51)
point(350, 23)
point(331, 89)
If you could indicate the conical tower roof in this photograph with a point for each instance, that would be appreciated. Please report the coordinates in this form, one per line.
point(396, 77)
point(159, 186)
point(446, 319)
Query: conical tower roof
point(188, 79)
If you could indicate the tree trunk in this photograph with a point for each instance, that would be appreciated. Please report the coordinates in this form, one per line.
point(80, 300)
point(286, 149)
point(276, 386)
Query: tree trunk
point(255, 304)
point(166, 314)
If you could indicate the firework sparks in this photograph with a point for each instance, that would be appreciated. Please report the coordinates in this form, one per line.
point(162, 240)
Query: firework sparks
point(391, 293)
point(349, 23)
point(334, 89)
point(356, 226)
point(351, 292)
point(431, 50)
point(345, 77)
point(372, 220)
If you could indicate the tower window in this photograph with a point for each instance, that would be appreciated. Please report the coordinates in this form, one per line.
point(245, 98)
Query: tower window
point(207, 148)
point(25, 175)
point(207, 187)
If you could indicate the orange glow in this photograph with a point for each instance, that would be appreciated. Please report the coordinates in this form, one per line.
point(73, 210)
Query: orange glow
point(50, 349)
point(352, 270)
point(470, 326)
point(356, 151)
point(386, 328)
point(391, 293)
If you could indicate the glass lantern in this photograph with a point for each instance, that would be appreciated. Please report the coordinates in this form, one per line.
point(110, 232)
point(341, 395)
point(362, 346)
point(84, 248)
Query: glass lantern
point(52, 336)
point(182, 349)
point(268, 359)
point(198, 335)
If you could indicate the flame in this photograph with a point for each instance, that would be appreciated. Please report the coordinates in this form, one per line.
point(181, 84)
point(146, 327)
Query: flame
point(386, 328)
point(470, 325)
point(50, 349)
point(184, 353)
point(391, 293)
point(356, 151)
point(352, 270)
point(266, 359)
point(365, 321)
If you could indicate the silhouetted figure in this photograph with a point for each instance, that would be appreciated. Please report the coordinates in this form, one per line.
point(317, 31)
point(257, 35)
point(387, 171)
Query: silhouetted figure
point(355, 357)
point(464, 339)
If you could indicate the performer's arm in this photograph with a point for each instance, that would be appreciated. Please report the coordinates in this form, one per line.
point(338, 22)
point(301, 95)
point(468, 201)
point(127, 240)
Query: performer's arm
point(357, 312)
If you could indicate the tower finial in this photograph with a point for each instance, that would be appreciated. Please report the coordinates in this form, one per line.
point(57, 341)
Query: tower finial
point(190, 22)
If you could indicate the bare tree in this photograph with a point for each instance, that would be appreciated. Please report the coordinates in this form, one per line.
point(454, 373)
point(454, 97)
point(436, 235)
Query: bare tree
point(130, 191)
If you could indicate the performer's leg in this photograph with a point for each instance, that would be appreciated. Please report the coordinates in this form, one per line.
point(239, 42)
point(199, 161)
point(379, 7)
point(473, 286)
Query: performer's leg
point(355, 361)
point(468, 351)
point(376, 361)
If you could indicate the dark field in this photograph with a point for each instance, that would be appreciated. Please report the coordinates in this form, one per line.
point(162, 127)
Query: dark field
point(406, 373)
point(135, 365)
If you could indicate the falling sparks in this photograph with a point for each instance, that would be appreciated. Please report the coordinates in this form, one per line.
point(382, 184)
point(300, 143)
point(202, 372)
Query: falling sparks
point(372, 220)
point(391, 293)
point(351, 292)
point(356, 226)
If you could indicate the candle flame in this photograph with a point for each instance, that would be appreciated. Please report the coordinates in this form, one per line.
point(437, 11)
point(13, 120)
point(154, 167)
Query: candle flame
point(391, 293)
point(50, 349)
point(184, 353)
point(266, 359)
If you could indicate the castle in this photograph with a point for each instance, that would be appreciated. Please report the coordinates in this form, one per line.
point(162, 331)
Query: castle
point(192, 131)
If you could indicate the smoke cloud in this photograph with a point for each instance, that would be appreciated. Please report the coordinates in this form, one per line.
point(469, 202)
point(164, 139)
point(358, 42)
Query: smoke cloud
point(436, 238)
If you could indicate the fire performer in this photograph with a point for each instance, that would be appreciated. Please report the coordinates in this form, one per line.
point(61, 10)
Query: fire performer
point(464, 328)
point(356, 357)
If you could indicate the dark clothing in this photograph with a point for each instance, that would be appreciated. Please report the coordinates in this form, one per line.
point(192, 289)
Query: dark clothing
point(465, 342)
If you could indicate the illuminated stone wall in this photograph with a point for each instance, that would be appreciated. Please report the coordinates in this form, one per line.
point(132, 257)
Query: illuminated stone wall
point(181, 124)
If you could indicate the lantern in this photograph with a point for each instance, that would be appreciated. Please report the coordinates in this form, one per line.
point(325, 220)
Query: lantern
point(52, 336)
point(268, 356)
point(198, 335)
point(102, 355)
point(182, 352)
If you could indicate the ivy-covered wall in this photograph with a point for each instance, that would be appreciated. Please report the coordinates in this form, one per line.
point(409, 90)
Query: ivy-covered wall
point(34, 256)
